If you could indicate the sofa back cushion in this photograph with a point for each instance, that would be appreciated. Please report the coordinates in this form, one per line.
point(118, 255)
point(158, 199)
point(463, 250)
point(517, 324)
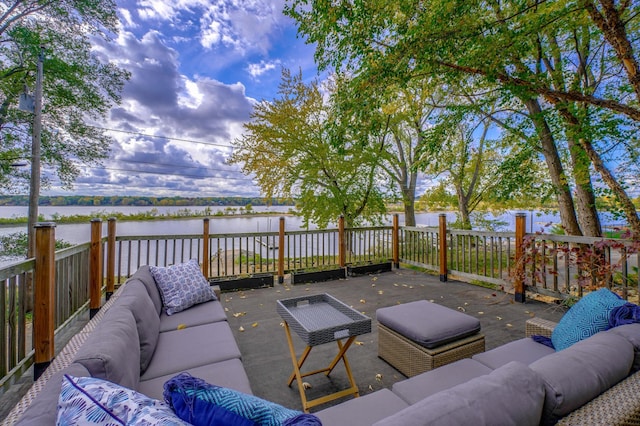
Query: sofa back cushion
point(42, 410)
point(578, 374)
point(631, 332)
point(112, 350)
point(144, 275)
point(134, 297)
point(510, 395)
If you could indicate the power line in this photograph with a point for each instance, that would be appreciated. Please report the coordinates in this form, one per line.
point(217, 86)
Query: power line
point(162, 137)
point(176, 165)
point(172, 174)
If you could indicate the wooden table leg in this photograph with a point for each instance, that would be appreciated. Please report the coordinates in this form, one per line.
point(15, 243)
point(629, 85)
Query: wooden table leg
point(342, 353)
point(300, 361)
point(296, 367)
point(297, 374)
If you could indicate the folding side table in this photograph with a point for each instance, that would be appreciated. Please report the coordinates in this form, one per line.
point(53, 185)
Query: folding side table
point(320, 319)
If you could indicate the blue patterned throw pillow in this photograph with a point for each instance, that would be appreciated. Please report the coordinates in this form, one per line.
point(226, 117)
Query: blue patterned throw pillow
point(181, 286)
point(91, 401)
point(586, 318)
point(201, 403)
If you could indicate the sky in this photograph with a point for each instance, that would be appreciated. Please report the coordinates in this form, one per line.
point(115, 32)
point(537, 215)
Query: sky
point(197, 68)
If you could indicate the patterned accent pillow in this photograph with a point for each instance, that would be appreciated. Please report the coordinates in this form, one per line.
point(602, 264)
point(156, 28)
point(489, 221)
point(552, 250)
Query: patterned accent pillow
point(586, 318)
point(201, 403)
point(91, 401)
point(181, 286)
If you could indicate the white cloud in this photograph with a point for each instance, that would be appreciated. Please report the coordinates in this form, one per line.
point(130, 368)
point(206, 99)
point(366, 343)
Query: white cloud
point(173, 132)
point(245, 25)
point(256, 70)
point(125, 14)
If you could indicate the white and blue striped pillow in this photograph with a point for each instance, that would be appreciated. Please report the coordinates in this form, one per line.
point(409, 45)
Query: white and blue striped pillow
point(92, 401)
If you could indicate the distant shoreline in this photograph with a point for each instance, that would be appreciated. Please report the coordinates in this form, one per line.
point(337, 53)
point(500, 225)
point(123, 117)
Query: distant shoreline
point(142, 216)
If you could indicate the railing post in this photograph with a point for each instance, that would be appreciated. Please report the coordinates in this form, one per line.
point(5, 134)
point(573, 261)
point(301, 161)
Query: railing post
point(44, 319)
point(111, 256)
point(95, 267)
point(205, 248)
point(442, 218)
point(396, 241)
point(518, 283)
point(341, 243)
point(281, 251)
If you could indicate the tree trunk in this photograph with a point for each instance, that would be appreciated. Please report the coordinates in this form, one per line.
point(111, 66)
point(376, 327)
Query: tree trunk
point(409, 200)
point(627, 205)
point(585, 200)
point(463, 208)
point(559, 179)
point(609, 20)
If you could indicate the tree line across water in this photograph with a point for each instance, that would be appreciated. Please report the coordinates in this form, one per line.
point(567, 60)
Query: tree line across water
point(139, 201)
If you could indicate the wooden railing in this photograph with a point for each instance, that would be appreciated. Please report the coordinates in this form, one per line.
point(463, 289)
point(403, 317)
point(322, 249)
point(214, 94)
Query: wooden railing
point(235, 254)
point(19, 281)
point(83, 274)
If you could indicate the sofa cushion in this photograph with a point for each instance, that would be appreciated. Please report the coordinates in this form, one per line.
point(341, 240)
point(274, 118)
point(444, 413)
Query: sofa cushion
point(510, 395)
point(181, 286)
point(631, 332)
point(583, 371)
point(586, 318)
point(201, 403)
point(428, 383)
point(524, 350)
point(204, 313)
point(363, 411)
point(91, 401)
point(134, 297)
point(112, 350)
point(42, 410)
point(144, 275)
point(428, 324)
point(229, 374)
point(192, 347)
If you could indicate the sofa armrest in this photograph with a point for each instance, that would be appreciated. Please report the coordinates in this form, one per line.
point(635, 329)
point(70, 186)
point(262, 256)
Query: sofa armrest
point(619, 405)
point(539, 326)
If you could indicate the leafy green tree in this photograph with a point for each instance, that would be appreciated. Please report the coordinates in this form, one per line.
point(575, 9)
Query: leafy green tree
point(298, 147)
point(79, 85)
point(513, 45)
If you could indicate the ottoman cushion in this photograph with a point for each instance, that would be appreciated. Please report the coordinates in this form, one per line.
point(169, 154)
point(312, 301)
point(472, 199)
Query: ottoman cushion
point(428, 324)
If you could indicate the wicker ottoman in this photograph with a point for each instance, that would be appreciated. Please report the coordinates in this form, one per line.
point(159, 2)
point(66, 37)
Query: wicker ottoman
point(419, 336)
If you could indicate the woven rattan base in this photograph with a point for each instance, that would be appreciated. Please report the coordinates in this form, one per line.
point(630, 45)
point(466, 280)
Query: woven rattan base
point(411, 359)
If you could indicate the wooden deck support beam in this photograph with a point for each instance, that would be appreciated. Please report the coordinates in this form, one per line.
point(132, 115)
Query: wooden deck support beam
point(95, 267)
point(206, 257)
point(396, 241)
point(111, 256)
point(342, 246)
point(281, 251)
point(518, 284)
point(442, 237)
point(44, 315)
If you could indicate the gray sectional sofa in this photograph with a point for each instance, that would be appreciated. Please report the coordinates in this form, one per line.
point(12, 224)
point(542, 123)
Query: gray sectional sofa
point(593, 382)
point(134, 343)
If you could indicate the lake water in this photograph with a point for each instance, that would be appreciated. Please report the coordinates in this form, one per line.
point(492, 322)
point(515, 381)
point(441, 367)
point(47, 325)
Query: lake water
point(80, 233)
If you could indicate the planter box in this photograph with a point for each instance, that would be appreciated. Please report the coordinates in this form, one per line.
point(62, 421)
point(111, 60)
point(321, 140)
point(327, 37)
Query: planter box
point(243, 283)
point(372, 268)
point(299, 277)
